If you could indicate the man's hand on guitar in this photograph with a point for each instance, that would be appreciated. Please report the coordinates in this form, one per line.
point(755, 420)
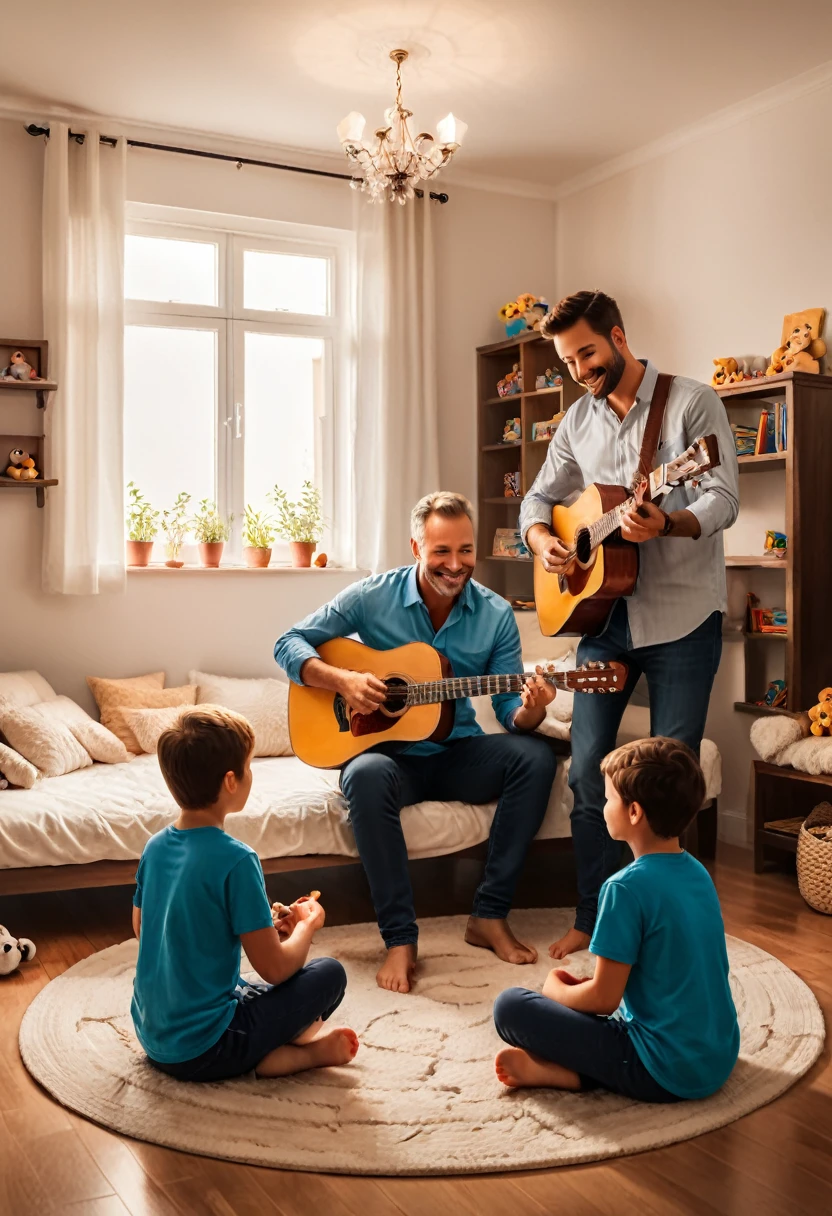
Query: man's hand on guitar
point(643, 523)
point(537, 693)
point(362, 692)
point(551, 550)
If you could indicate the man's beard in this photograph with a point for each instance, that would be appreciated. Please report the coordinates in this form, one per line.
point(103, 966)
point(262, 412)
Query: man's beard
point(446, 588)
point(612, 375)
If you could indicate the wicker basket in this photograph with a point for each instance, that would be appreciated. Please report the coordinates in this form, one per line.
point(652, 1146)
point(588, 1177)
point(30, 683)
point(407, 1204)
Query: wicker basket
point(814, 861)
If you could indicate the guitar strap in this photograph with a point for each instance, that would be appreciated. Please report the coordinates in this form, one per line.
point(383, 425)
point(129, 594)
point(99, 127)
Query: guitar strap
point(653, 426)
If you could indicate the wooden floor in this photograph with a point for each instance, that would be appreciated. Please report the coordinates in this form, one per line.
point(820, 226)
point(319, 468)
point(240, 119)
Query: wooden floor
point(775, 1162)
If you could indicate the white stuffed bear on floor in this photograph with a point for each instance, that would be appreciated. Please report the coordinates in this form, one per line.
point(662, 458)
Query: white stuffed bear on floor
point(13, 951)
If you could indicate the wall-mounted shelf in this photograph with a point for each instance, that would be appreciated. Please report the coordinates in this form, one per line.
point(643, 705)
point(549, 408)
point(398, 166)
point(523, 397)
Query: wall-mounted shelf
point(36, 353)
point(755, 561)
point(749, 707)
point(39, 485)
point(763, 463)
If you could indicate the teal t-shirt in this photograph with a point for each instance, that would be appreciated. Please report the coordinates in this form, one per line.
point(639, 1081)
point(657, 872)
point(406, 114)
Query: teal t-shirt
point(199, 889)
point(661, 915)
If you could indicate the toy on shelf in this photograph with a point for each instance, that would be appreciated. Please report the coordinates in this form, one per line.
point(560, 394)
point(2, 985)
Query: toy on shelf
point(801, 345)
point(21, 466)
point(19, 368)
point(512, 383)
point(14, 951)
point(526, 312)
point(553, 380)
point(777, 543)
point(511, 485)
point(775, 695)
point(547, 428)
point(511, 431)
point(523, 605)
point(509, 543)
point(734, 370)
point(821, 714)
point(764, 620)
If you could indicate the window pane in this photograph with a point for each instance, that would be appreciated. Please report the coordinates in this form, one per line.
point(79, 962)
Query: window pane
point(171, 271)
point(283, 397)
point(170, 394)
point(282, 282)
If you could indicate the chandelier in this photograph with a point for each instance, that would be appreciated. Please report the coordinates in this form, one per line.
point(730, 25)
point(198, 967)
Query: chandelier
point(391, 165)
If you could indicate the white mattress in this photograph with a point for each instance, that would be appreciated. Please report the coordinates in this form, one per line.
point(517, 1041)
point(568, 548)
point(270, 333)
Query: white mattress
point(109, 812)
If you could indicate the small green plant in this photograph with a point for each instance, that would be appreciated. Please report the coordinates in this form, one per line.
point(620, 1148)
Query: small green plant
point(258, 529)
point(299, 521)
point(175, 525)
point(208, 526)
point(141, 516)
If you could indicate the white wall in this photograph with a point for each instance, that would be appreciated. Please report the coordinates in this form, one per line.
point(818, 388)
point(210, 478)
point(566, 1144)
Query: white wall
point(706, 248)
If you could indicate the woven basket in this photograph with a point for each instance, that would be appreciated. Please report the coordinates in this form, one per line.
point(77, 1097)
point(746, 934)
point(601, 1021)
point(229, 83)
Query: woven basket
point(814, 861)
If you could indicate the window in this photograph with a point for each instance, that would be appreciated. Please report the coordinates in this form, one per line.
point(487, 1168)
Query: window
point(235, 355)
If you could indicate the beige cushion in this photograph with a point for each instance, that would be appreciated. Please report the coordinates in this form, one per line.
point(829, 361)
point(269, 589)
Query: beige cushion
point(148, 725)
point(21, 688)
point(265, 703)
point(101, 743)
point(16, 769)
point(49, 745)
point(116, 698)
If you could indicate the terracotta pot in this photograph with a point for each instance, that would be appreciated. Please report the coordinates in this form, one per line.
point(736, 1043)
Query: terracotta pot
point(301, 551)
point(210, 553)
point(257, 559)
point(174, 565)
point(138, 552)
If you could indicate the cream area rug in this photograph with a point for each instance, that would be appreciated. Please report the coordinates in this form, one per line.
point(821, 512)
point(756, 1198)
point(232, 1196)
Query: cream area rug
point(421, 1096)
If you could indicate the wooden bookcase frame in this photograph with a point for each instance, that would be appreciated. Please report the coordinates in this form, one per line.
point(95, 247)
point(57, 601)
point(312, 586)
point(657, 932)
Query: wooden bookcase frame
point(37, 354)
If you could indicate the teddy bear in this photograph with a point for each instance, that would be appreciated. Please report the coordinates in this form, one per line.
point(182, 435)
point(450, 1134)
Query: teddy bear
point(284, 917)
point(21, 466)
point(801, 346)
point(723, 370)
point(19, 368)
point(13, 951)
point(821, 714)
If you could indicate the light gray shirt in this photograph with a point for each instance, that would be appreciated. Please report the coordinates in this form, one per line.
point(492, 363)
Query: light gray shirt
point(681, 581)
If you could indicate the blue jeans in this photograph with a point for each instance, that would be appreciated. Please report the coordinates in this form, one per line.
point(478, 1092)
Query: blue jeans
point(267, 1016)
point(516, 770)
point(598, 1049)
point(679, 679)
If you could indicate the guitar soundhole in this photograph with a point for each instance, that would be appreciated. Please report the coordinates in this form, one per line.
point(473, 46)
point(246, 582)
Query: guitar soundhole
point(395, 705)
point(583, 546)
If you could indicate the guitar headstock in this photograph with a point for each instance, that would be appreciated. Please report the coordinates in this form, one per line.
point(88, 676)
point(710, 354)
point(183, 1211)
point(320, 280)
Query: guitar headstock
point(596, 677)
point(700, 458)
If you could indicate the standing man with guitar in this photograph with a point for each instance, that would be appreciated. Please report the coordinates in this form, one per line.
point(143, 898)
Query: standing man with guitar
point(670, 629)
point(438, 602)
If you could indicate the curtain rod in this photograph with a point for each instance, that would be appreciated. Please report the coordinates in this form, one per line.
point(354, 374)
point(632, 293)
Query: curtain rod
point(239, 161)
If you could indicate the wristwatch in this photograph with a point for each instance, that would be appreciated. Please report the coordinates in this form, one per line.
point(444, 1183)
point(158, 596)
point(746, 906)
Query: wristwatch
point(668, 524)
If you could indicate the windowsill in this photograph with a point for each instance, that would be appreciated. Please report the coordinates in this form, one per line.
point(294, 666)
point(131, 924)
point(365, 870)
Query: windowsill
point(230, 568)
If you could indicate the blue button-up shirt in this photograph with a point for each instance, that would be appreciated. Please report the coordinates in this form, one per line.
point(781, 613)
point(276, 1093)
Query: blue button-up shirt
point(681, 580)
point(480, 636)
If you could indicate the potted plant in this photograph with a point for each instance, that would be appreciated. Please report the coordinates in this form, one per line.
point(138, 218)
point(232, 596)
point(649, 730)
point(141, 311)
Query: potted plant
point(175, 526)
point(258, 534)
point(301, 523)
point(211, 532)
point(141, 527)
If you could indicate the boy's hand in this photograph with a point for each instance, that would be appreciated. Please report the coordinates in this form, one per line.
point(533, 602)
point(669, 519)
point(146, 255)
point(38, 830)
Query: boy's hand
point(311, 913)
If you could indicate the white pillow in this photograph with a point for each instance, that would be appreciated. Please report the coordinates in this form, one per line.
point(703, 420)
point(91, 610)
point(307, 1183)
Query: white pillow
point(49, 745)
point(265, 703)
point(16, 770)
point(148, 725)
point(101, 743)
point(21, 688)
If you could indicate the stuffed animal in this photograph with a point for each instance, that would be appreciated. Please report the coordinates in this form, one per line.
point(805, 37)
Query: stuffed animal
point(283, 916)
point(19, 368)
point(14, 951)
point(21, 466)
point(526, 312)
point(801, 346)
point(821, 714)
point(723, 370)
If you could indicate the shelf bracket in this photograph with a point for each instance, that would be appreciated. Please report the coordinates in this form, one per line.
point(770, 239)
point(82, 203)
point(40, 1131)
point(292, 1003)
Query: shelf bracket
point(41, 398)
point(40, 495)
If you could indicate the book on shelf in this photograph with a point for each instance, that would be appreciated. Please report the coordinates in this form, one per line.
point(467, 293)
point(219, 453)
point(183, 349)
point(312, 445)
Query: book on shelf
point(767, 437)
point(764, 620)
point(509, 543)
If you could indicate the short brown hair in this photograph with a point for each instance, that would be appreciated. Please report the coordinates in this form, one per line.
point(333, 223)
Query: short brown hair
point(442, 502)
point(663, 776)
point(600, 311)
point(199, 749)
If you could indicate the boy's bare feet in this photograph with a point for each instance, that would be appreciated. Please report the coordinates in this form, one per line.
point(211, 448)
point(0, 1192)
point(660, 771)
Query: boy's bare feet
point(497, 936)
point(572, 941)
point(398, 971)
point(518, 1069)
point(328, 1050)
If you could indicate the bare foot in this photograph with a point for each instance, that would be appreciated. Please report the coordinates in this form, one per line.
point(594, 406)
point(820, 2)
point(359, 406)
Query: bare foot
point(328, 1050)
point(518, 1069)
point(497, 936)
point(398, 971)
point(571, 942)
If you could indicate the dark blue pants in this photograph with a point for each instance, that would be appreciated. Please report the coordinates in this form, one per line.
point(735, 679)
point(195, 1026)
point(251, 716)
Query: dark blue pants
point(679, 679)
point(599, 1049)
point(517, 770)
point(267, 1016)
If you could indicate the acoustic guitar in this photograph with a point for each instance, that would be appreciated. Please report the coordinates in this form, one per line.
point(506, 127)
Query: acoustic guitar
point(421, 690)
point(603, 565)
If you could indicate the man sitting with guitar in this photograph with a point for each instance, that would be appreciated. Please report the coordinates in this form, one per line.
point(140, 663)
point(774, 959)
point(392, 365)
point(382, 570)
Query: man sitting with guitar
point(438, 602)
point(670, 627)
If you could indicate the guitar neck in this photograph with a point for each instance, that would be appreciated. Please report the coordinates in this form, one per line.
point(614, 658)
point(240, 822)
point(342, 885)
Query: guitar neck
point(456, 688)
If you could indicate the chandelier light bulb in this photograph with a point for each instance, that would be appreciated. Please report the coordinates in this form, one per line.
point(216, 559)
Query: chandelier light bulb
point(351, 128)
point(451, 130)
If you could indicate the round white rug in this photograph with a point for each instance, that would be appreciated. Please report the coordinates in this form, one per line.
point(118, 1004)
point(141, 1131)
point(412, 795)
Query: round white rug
point(421, 1097)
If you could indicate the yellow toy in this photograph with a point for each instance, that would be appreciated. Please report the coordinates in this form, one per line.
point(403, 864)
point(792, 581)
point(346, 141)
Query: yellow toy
point(724, 369)
point(21, 466)
point(821, 714)
point(801, 345)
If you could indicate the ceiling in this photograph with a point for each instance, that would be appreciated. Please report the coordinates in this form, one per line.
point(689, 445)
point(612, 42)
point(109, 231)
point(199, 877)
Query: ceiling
point(550, 89)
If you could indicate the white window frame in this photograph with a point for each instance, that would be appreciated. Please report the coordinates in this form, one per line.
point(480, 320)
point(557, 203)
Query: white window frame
point(233, 235)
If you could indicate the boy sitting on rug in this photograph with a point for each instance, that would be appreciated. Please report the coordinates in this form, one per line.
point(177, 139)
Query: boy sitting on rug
point(200, 894)
point(657, 1021)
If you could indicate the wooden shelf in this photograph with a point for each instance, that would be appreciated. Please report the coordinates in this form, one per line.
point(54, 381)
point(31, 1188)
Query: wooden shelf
point(514, 499)
point(534, 392)
point(29, 386)
point(501, 447)
point(756, 562)
point(536, 441)
point(760, 464)
point(748, 707)
point(767, 637)
point(503, 557)
point(39, 485)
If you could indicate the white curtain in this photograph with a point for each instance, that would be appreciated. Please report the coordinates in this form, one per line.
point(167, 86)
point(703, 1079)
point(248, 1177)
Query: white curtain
point(83, 301)
point(396, 431)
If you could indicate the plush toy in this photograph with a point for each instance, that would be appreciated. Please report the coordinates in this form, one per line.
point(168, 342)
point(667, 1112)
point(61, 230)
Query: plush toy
point(801, 345)
point(723, 370)
point(821, 714)
point(511, 431)
point(21, 466)
point(19, 368)
point(14, 951)
point(283, 915)
point(526, 312)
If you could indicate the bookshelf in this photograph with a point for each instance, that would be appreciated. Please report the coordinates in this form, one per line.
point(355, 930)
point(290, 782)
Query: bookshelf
point(803, 582)
point(510, 576)
point(17, 421)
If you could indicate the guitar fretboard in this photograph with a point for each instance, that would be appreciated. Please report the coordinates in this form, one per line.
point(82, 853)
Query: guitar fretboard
point(456, 688)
